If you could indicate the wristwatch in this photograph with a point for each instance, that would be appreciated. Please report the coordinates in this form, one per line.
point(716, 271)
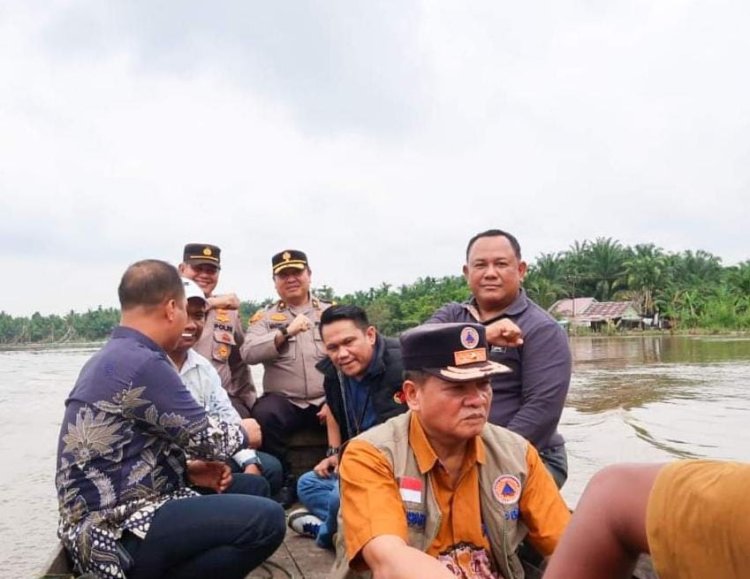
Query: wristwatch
point(284, 332)
point(332, 451)
point(246, 457)
point(252, 460)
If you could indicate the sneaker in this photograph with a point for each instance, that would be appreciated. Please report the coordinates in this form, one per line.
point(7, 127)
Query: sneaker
point(304, 523)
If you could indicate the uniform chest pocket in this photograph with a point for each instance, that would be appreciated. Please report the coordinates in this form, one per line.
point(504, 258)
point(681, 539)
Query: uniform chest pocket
point(222, 345)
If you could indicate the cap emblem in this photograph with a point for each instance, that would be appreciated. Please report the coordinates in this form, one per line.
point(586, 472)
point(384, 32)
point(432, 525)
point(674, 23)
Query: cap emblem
point(207, 251)
point(469, 338)
point(286, 256)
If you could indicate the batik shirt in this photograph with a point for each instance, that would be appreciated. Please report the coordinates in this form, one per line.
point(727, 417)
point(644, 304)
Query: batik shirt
point(128, 425)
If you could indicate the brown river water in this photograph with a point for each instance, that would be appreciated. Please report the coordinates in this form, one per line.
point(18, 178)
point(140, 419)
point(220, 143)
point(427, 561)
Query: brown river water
point(647, 398)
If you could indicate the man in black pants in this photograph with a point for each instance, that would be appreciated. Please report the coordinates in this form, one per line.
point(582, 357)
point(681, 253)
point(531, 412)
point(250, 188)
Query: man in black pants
point(122, 470)
point(284, 337)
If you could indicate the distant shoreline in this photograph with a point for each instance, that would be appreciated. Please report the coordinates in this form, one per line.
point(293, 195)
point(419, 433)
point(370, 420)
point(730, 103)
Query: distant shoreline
point(578, 333)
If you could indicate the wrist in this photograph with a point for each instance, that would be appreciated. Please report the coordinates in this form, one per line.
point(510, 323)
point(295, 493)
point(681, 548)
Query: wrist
point(332, 451)
point(245, 455)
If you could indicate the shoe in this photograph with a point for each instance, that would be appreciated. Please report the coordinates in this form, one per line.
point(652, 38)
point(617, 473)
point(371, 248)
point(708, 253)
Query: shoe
point(287, 496)
point(304, 523)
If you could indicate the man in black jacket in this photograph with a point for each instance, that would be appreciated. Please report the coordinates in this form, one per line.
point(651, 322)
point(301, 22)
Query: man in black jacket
point(363, 374)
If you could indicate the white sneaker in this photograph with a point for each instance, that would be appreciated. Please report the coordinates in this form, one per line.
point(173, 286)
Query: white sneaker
point(303, 522)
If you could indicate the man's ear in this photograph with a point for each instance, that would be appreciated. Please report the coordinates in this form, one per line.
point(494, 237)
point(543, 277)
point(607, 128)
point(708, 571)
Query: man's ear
point(522, 270)
point(410, 390)
point(466, 272)
point(181, 268)
point(170, 309)
point(372, 335)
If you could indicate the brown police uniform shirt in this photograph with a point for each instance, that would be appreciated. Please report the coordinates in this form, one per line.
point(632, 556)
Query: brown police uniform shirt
point(289, 371)
point(220, 343)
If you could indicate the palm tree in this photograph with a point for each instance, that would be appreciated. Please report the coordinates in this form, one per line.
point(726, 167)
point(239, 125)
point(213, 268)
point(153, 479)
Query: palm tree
point(644, 273)
point(605, 265)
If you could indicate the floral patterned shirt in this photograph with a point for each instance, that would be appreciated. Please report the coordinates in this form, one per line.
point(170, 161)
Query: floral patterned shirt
point(128, 425)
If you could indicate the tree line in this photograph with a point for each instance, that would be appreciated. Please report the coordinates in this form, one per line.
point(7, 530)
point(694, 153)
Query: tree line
point(690, 288)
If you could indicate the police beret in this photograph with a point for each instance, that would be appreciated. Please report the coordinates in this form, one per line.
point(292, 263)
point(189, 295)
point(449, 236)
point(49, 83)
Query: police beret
point(452, 352)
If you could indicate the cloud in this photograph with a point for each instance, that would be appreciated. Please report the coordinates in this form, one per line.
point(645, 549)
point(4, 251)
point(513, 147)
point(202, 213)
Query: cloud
point(376, 137)
point(339, 66)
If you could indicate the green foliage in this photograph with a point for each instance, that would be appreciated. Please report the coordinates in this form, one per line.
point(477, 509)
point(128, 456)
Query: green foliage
point(94, 325)
point(691, 288)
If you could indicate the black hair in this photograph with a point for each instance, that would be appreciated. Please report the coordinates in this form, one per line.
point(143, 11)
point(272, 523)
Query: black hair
point(496, 233)
point(148, 283)
point(417, 376)
point(337, 313)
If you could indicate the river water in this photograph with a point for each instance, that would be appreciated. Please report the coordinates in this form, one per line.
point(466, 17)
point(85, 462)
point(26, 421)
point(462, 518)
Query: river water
point(647, 398)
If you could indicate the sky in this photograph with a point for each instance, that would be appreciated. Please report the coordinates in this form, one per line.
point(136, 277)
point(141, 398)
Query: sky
point(378, 137)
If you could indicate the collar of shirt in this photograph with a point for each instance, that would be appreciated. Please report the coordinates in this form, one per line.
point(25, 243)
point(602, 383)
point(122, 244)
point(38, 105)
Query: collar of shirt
point(426, 456)
point(193, 360)
point(130, 333)
point(516, 307)
point(376, 365)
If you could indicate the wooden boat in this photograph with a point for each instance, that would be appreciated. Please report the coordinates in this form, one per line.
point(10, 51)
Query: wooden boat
point(298, 557)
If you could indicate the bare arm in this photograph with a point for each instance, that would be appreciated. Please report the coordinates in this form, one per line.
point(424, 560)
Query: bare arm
point(388, 556)
point(329, 464)
point(608, 528)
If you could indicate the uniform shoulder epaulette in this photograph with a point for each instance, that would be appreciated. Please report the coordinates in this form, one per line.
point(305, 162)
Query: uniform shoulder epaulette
point(317, 302)
point(257, 316)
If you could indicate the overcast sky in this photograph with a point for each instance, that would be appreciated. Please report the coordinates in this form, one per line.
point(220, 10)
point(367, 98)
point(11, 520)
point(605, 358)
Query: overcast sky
point(376, 136)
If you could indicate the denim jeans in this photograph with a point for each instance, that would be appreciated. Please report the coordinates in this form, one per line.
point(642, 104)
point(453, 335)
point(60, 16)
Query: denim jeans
point(320, 496)
point(271, 471)
point(556, 461)
point(223, 536)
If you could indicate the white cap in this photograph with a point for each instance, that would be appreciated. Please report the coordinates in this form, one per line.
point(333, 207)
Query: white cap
point(192, 290)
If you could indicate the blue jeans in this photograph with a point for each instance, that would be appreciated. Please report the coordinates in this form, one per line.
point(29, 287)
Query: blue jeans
point(271, 471)
point(321, 497)
point(556, 461)
point(223, 536)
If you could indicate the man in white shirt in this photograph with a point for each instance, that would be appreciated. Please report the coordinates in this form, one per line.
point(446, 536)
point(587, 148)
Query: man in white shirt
point(203, 381)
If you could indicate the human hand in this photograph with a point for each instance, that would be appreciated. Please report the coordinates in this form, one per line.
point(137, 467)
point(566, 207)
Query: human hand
point(252, 469)
point(224, 302)
point(210, 474)
point(323, 413)
point(327, 466)
point(504, 333)
point(254, 433)
point(299, 324)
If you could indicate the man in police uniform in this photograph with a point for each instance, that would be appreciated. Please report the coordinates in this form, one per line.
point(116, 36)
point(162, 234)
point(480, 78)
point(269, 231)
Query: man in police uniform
point(223, 336)
point(285, 339)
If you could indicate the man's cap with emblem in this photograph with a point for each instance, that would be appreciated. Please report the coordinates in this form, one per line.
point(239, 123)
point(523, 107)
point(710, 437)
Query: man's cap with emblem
point(289, 258)
point(452, 352)
point(198, 253)
point(192, 290)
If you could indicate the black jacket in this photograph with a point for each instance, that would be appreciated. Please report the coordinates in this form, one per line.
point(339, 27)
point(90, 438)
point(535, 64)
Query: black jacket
point(385, 399)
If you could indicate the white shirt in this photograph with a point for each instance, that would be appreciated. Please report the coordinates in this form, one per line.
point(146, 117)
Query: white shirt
point(203, 382)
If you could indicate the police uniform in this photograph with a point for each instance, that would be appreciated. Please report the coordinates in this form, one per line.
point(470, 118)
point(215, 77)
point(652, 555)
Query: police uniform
point(220, 343)
point(292, 387)
point(222, 338)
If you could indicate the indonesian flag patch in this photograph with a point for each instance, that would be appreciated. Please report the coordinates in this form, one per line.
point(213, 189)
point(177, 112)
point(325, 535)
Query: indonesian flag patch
point(411, 489)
